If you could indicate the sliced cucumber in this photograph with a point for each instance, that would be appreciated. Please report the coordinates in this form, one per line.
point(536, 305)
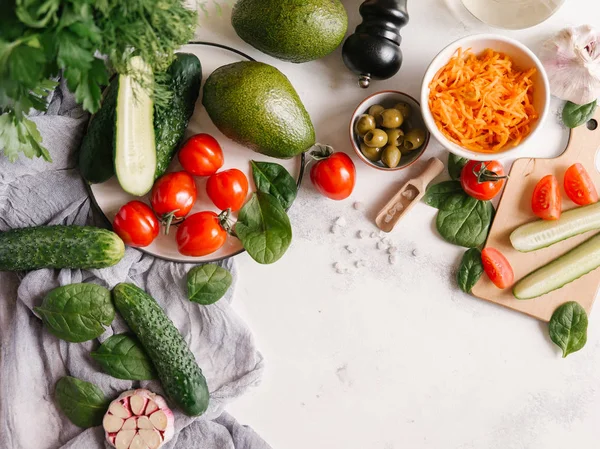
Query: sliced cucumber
point(542, 233)
point(135, 149)
point(579, 261)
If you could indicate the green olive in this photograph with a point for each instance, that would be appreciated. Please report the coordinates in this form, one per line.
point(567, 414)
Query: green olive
point(395, 136)
point(376, 138)
point(414, 139)
point(404, 109)
point(390, 118)
point(391, 156)
point(371, 153)
point(364, 124)
point(375, 110)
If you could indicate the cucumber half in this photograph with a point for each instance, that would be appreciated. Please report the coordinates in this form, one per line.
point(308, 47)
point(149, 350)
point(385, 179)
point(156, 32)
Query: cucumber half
point(135, 148)
point(542, 233)
point(579, 261)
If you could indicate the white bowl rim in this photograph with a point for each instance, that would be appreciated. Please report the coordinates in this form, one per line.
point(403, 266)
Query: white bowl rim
point(451, 146)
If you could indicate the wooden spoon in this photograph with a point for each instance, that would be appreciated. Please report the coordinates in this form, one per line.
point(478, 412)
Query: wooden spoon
point(409, 195)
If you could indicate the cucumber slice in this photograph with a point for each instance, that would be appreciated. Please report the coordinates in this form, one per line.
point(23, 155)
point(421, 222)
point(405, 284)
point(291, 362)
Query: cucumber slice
point(135, 149)
point(579, 261)
point(542, 233)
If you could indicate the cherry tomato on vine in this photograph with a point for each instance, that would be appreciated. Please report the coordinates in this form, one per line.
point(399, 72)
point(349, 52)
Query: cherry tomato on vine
point(228, 189)
point(136, 224)
point(497, 268)
point(201, 233)
point(546, 201)
point(579, 187)
point(482, 180)
point(201, 155)
point(173, 196)
point(333, 175)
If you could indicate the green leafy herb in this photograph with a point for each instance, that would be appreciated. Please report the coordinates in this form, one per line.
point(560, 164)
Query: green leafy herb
point(264, 228)
point(574, 115)
point(467, 223)
point(122, 356)
point(77, 312)
point(455, 165)
point(274, 179)
point(568, 327)
point(208, 283)
point(82, 402)
point(41, 38)
point(470, 270)
point(444, 194)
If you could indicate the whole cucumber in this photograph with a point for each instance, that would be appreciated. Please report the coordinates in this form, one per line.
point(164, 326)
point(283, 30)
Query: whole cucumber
point(59, 246)
point(180, 375)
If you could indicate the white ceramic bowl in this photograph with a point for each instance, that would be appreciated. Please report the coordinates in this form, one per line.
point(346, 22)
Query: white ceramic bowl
point(523, 59)
point(388, 98)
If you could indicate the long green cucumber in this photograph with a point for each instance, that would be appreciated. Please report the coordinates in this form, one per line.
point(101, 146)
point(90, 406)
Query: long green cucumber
point(180, 375)
point(570, 266)
point(59, 246)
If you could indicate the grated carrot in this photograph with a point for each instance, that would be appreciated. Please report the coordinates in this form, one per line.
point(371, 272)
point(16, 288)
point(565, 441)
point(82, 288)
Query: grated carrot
point(482, 103)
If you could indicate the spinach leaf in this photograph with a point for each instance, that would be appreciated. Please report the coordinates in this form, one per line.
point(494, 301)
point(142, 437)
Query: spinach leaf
point(77, 312)
point(122, 356)
point(444, 194)
point(82, 402)
point(467, 224)
point(264, 228)
point(208, 283)
point(274, 179)
point(574, 115)
point(470, 270)
point(455, 165)
point(568, 327)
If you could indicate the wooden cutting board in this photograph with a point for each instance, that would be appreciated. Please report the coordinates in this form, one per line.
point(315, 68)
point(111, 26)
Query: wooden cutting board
point(515, 209)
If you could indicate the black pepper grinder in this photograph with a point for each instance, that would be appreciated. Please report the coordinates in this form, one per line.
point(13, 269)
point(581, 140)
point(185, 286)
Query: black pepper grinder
point(373, 51)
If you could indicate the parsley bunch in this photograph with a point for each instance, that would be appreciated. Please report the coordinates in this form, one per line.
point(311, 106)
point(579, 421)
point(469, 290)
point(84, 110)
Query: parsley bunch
point(86, 40)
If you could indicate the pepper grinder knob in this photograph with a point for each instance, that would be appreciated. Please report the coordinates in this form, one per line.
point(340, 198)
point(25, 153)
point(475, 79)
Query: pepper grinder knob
point(373, 51)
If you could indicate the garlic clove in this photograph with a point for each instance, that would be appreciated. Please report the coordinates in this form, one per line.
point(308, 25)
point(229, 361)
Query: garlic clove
point(130, 423)
point(112, 423)
point(151, 437)
point(124, 438)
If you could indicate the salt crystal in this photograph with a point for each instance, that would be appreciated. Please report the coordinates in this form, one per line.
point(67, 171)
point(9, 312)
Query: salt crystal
point(399, 206)
point(351, 249)
point(335, 229)
point(373, 234)
point(388, 218)
point(409, 194)
point(359, 206)
point(341, 270)
point(362, 234)
point(393, 259)
point(337, 266)
point(360, 263)
point(382, 234)
point(415, 252)
point(341, 221)
point(381, 245)
point(392, 249)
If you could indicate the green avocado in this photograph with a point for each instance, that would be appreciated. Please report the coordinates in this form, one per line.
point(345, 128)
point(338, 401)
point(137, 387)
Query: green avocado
point(255, 105)
point(292, 30)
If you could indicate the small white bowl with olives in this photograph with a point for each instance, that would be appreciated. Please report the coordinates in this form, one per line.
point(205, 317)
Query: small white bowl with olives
point(387, 130)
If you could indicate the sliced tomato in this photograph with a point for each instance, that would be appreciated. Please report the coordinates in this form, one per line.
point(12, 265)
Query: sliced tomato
point(497, 268)
point(579, 187)
point(546, 201)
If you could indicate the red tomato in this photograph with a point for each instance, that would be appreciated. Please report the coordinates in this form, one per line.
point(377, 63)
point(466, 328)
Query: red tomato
point(334, 176)
point(136, 224)
point(200, 234)
point(201, 155)
point(546, 200)
point(497, 267)
point(228, 189)
point(482, 180)
point(579, 186)
point(173, 195)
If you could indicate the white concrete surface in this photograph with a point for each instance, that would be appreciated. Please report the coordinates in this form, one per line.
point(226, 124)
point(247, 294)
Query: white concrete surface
point(394, 357)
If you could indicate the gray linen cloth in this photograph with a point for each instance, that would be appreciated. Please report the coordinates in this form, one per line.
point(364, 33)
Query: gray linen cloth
point(34, 192)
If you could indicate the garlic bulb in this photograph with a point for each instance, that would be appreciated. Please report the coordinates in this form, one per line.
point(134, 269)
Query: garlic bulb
point(572, 61)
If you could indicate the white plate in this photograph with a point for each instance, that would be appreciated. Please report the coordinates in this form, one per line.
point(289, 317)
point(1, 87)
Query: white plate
point(109, 196)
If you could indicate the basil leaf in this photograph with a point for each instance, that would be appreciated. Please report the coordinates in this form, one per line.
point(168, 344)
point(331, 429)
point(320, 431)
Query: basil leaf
point(568, 327)
point(445, 192)
point(82, 402)
point(574, 115)
point(274, 179)
point(208, 283)
point(77, 312)
point(264, 228)
point(470, 270)
point(455, 165)
point(122, 356)
point(467, 225)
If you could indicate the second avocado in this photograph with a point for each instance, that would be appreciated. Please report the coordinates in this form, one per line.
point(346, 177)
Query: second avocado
point(255, 105)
